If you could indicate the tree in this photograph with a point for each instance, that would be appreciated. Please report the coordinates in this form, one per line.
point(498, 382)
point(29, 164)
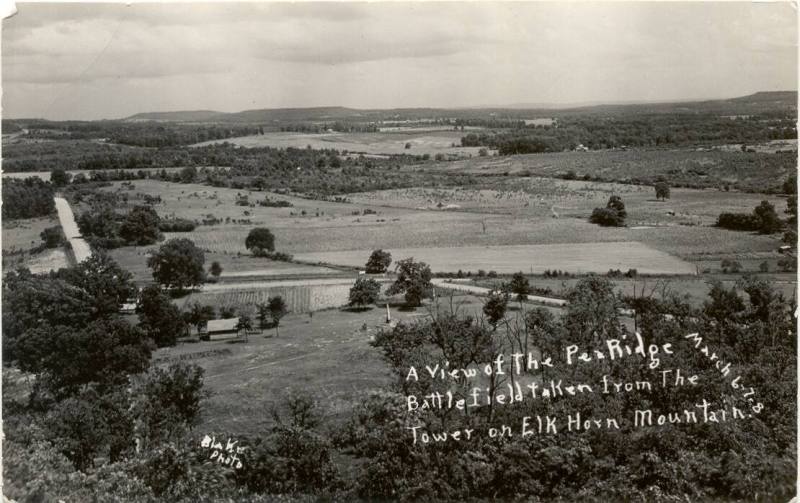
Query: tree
point(107, 284)
point(260, 241)
point(65, 358)
point(215, 269)
point(613, 215)
point(198, 315)
point(662, 190)
point(495, 306)
point(59, 177)
point(413, 279)
point(378, 262)
point(365, 291)
point(615, 203)
point(178, 263)
point(606, 217)
point(766, 218)
point(167, 402)
point(244, 323)
point(160, 319)
point(519, 286)
point(140, 227)
point(52, 237)
point(277, 310)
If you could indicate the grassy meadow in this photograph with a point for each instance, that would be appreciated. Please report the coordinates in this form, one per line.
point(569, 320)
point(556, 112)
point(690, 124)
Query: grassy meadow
point(422, 141)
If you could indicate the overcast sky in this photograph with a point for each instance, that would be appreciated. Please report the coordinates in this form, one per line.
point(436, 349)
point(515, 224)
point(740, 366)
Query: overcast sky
point(90, 61)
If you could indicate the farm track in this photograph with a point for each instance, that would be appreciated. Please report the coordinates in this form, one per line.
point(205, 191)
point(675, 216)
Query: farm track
point(479, 290)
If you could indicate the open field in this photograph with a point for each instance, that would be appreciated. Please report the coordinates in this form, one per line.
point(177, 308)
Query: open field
point(596, 257)
point(422, 142)
point(344, 226)
point(327, 355)
point(134, 259)
point(22, 235)
point(21, 239)
point(547, 197)
point(698, 168)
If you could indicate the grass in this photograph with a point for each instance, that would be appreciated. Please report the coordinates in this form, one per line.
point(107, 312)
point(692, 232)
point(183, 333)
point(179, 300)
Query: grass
point(327, 355)
point(589, 257)
point(134, 259)
point(397, 224)
point(23, 235)
point(21, 241)
point(425, 141)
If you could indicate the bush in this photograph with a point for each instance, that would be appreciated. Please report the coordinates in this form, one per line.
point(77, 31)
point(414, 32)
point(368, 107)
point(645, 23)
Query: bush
point(737, 221)
point(176, 225)
point(52, 237)
point(365, 291)
point(729, 265)
point(607, 217)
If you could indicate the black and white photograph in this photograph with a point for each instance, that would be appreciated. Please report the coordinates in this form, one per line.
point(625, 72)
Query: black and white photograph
point(399, 251)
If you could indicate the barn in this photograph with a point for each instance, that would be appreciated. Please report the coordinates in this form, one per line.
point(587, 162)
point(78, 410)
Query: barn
point(221, 329)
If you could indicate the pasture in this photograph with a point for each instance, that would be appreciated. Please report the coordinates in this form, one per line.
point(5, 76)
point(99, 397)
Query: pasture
point(21, 241)
point(534, 259)
point(422, 141)
point(486, 217)
point(326, 355)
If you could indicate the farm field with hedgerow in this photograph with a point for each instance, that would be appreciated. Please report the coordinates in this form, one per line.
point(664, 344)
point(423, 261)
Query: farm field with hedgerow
point(421, 142)
point(412, 218)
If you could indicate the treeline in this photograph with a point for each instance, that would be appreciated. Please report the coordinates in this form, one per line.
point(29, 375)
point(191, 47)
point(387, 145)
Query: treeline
point(139, 134)
point(598, 132)
point(338, 126)
point(27, 198)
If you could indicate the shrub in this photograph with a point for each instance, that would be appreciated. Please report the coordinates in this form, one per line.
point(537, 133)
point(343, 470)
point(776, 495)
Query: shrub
point(607, 217)
point(737, 221)
point(176, 225)
point(365, 291)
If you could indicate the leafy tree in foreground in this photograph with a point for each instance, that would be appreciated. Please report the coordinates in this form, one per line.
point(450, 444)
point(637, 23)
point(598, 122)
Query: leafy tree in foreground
point(260, 241)
point(178, 263)
point(365, 291)
point(160, 319)
point(104, 351)
point(519, 286)
point(495, 306)
point(378, 262)
point(413, 279)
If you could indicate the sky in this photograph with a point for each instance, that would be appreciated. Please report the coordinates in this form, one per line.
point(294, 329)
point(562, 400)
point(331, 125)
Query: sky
point(107, 61)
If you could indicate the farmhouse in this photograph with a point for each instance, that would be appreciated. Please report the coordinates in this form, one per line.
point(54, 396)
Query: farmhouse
point(219, 329)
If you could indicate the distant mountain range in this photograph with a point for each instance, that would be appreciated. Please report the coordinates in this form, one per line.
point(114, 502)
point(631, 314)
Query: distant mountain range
point(754, 103)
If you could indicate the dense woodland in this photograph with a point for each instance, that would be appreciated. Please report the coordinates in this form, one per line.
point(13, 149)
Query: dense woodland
point(96, 423)
point(27, 198)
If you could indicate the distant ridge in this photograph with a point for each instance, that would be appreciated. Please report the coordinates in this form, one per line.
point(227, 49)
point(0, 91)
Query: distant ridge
point(180, 116)
point(745, 104)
